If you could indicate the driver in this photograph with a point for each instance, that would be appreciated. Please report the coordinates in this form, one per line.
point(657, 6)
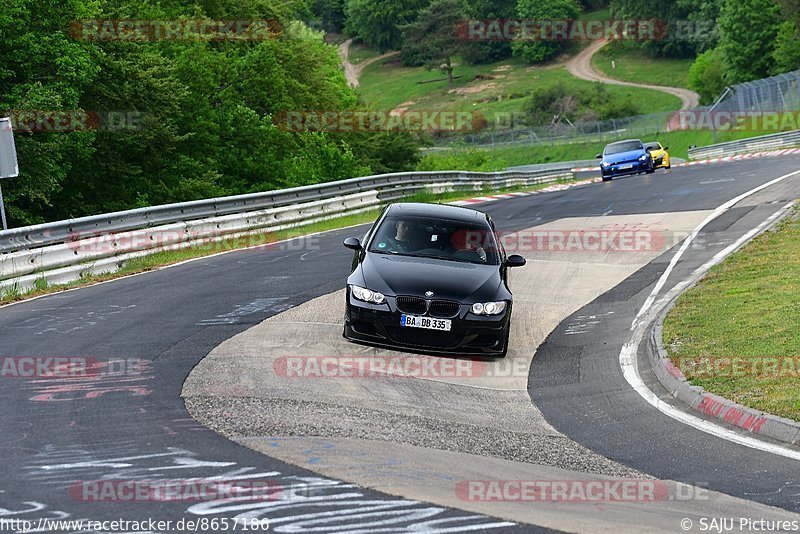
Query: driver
point(468, 243)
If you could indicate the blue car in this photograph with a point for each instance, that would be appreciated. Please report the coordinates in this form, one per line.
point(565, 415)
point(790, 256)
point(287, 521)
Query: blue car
point(623, 158)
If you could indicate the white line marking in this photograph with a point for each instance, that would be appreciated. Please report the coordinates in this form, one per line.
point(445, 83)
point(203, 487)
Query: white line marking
point(627, 356)
point(716, 213)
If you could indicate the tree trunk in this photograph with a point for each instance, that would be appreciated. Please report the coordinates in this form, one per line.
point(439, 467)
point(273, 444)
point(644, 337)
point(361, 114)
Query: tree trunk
point(449, 74)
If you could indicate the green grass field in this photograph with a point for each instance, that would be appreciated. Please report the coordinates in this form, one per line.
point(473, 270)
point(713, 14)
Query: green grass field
point(490, 89)
point(634, 65)
point(360, 52)
point(745, 310)
point(678, 142)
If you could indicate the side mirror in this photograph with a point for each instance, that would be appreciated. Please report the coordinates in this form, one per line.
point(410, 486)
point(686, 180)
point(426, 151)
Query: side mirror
point(353, 243)
point(666, 148)
point(599, 156)
point(515, 260)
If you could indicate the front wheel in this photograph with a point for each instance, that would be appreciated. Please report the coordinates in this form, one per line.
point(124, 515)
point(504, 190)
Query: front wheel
point(606, 178)
point(651, 170)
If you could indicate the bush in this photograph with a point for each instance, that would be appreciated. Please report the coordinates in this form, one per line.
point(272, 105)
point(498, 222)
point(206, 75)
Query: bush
point(556, 103)
point(707, 75)
point(787, 48)
point(538, 51)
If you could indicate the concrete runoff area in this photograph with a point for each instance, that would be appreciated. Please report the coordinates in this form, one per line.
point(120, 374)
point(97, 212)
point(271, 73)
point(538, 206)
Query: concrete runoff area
point(417, 436)
point(444, 477)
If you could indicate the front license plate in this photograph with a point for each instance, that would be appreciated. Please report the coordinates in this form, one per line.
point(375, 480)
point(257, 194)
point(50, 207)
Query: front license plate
point(625, 167)
point(429, 323)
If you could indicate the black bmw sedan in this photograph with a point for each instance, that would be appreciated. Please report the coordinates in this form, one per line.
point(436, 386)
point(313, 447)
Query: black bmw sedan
point(432, 278)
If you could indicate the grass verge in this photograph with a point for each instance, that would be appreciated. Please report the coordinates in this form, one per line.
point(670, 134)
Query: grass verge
point(735, 333)
point(678, 142)
point(168, 257)
point(360, 52)
point(425, 196)
point(632, 64)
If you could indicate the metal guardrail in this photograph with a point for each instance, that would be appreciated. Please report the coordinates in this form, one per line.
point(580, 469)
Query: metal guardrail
point(66, 250)
point(753, 144)
point(557, 166)
point(389, 186)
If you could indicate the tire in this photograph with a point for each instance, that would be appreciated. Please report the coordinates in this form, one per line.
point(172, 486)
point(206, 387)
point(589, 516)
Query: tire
point(668, 167)
point(651, 170)
point(606, 178)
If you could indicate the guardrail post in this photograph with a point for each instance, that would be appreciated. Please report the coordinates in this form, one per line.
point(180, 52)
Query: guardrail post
point(3, 209)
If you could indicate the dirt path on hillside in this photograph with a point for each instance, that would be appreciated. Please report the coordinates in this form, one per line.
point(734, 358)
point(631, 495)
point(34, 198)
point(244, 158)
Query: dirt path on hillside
point(580, 66)
point(352, 72)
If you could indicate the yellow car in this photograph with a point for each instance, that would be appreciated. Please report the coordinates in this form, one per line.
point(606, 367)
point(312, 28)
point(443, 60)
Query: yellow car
point(659, 154)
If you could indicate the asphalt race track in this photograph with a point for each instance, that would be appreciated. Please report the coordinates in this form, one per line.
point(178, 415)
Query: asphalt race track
point(62, 431)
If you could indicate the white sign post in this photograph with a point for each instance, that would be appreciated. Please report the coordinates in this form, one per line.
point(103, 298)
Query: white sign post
point(8, 161)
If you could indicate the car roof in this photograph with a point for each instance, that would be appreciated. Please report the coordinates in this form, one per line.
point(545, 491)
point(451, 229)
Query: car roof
point(443, 211)
point(652, 143)
point(624, 141)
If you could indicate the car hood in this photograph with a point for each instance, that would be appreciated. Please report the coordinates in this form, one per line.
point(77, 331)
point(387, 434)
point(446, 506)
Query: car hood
point(404, 275)
point(631, 155)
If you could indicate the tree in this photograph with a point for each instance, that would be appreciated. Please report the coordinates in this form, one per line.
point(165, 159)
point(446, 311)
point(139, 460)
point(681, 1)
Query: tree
point(539, 50)
point(786, 55)
point(198, 113)
point(748, 31)
point(689, 24)
point(377, 22)
point(707, 75)
point(330, 14)
point(433, 39)
point(43, 69)
point(494, 50)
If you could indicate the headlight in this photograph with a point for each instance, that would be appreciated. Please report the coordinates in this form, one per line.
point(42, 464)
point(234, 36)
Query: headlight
point(489, 308)
point(366, 295)
point(643, 157)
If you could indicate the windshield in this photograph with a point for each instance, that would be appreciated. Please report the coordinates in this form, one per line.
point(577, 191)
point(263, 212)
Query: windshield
point(423, 237)
point(625, 146)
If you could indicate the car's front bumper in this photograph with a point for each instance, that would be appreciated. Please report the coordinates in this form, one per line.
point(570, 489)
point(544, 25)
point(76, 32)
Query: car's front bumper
point(661, 161)
point(469, 334)
point(624, 169)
